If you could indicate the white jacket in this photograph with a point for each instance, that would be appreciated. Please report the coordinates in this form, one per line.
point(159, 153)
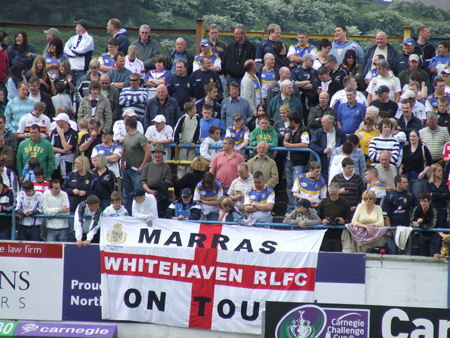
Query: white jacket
point(146, 210)
point(52, 206)
point(208, 153)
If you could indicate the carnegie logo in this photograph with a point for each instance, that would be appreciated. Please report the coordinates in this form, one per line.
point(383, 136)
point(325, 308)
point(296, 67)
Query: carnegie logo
point(116, 236)
point(307, 321)
point(29, 327)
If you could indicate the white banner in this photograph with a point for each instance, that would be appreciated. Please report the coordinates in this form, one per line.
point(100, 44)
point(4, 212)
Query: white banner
point(31, 280)
point(201, 275)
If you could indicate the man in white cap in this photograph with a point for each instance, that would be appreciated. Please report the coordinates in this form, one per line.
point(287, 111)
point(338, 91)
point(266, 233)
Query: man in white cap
point(160, 133)
point(64, 140)
point(79, 49)
point(413, 62)
point(205, 46)
point(446, 76)
point(50, 35)
point(119, 126)
point(417, 108)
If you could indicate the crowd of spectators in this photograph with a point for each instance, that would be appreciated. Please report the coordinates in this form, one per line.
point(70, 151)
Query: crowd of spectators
point(377, 119)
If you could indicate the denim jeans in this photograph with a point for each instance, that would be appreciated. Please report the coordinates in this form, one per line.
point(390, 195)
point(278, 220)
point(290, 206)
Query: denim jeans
point(129, 183)
point(267, 219)
point(231, 79)
point(5, 228)
point(30, 233)
point(57, 235)
point(210, 216)
point(429, 244)
point(291, 173)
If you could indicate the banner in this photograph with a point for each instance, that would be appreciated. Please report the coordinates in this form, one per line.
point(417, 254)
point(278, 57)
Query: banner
point(61, 330)
point(31, 280)
point(202, 276)
point(294, 320)
point(82, 288)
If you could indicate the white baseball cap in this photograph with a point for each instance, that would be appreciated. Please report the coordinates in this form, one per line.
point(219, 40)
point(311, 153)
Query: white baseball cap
point(408, 94)
point(62, 117)
point(159, 119)
point(129, 112)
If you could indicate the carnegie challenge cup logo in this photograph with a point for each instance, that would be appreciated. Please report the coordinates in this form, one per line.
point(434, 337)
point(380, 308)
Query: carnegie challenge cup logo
point(312, 321)
point(307, 321)
point(116, 236)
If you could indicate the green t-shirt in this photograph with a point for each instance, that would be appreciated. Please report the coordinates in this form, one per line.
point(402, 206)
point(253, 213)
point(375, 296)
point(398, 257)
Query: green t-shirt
point(133, 146)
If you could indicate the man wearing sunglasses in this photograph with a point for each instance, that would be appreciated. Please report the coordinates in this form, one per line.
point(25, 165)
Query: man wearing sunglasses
point(134, 97)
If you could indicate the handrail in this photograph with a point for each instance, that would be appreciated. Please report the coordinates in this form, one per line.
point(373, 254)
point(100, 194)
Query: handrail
point(213, 146)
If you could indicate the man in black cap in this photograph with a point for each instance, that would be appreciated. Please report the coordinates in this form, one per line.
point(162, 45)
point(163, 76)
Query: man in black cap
point(386, 106)
point(303, 215)
point(144, 206)
point(184, 207)
point(79, 49)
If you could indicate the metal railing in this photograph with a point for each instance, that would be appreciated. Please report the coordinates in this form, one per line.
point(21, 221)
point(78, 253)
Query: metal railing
point(200, 32)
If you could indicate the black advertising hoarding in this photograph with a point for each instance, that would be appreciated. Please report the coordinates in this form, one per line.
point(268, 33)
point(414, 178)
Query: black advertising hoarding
point(296, 320)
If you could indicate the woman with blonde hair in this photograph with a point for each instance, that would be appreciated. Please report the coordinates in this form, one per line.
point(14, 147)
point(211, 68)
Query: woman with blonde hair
point(84, 82)
point(80, 183)
point(190, 180)
point(439, 191)
point(39, 70)
point(364, 235)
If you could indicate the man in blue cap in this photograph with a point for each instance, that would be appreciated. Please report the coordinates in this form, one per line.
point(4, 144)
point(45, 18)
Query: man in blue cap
point(205, 46)
point(401, 60)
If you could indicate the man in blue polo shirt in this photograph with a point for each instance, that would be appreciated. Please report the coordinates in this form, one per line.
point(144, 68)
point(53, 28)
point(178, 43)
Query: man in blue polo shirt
point(267, 46)
point(442, 60)
point(205, 45)
point(350, 114)
point(296, 53)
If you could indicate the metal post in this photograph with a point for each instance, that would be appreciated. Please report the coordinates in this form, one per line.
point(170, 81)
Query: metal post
point(199, 32)
point(406, 32)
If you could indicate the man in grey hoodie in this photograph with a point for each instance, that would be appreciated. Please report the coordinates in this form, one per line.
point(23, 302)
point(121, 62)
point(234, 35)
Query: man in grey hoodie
point(303, 215)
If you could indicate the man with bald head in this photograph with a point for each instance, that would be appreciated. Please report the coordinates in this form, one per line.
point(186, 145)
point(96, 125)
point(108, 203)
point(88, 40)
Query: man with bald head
point(164, 105)
point(112, 94)
point(383, 47)
point(274, 89)
point(251, 86)
point(179, 53)
point(316, 113)
point(262, 162)
point(267, 73)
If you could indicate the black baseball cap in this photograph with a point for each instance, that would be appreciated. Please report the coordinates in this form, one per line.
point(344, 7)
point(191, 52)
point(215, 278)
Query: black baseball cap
point(186, 192)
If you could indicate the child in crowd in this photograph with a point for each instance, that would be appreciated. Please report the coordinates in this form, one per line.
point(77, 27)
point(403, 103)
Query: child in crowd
point(29, 203)
point(239, 132)
point(160, 133)
point(116, 209)
point(144, 206)
point(83, 125)
point(443, 116)
point(208, 121)
point(87, 228)
point(61, 99)
point(184, 207)
point(445, 247)
point(40, 184)
point(304, 215)
point(425, 216)
point(214, 139)
point(28, 170)
point(228, 212)
point(265, 132)
point(187, 130)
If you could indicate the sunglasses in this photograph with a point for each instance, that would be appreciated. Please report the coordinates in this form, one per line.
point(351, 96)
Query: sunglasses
point(133, 80)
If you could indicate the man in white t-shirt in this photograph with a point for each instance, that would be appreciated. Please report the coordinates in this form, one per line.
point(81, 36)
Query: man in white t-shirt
point(160, 133)
point(384, 79)
point(133, 64)
point(35, 117)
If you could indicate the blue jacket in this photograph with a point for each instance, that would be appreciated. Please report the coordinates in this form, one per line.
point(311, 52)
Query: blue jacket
point(178, 208)
point(319, 144)
point(413, 124)
point(205, 125)
point(124, 43)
